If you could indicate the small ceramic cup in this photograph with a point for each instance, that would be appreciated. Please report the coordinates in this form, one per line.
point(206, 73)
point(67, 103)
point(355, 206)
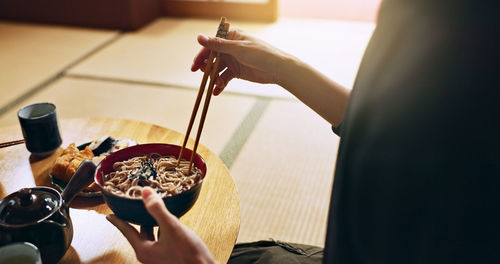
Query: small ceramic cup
point(23, 252)
point(40, 128)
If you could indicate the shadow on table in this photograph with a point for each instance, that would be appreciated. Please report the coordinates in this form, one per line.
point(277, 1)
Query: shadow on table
point(41, 167)
point(110, 257)
point(72, 256)
point(81, 202)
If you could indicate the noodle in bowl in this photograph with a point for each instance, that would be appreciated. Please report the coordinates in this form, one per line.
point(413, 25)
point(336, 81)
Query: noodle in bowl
point(154, 170)
point(122, 175)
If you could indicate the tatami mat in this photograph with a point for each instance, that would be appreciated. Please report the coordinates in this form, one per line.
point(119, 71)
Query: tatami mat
point(280, 153)
point(284, 175)
point(168, 107)
point(163, 51)
point(32, 54)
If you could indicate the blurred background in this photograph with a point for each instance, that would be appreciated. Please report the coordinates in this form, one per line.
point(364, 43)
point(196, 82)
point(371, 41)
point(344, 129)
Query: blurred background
point(354, 10)
point(130, 59)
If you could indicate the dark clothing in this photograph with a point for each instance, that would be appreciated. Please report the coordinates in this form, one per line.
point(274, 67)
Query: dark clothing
point(268, 252)
point(417, 178)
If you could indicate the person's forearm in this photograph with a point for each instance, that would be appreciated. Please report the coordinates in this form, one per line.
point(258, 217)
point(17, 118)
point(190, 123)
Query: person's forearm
point(324, 96)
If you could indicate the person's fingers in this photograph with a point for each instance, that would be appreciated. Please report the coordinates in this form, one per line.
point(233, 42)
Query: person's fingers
point(235, 33)
point(155, 206)
point(219, 86)
point(203, 66)
point(126, 229)
point(220, 44)
point(222, 81)
point(200, 60)
point(203, 40)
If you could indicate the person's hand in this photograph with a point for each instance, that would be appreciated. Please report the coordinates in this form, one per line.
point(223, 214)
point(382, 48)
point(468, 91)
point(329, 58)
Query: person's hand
point(246, 57)
point(176, 243)
point(242, 56)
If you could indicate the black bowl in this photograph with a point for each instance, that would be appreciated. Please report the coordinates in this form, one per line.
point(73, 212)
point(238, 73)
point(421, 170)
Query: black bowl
point(133, 210)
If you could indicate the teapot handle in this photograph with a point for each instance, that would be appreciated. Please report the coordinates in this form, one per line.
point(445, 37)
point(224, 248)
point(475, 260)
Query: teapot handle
point(82, 178)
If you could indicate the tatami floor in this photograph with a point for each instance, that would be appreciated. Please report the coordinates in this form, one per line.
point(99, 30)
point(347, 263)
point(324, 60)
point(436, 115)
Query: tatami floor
point(279, 152)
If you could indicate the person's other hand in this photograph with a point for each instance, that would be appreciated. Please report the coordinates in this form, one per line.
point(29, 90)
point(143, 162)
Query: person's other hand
point(242, 56)
point(176, 243)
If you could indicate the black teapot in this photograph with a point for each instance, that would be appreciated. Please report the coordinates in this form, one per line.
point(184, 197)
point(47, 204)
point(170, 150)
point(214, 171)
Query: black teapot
point(40, 215)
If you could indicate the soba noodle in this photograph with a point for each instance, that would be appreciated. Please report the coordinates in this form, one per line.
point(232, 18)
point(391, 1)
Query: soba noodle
point(154, 170)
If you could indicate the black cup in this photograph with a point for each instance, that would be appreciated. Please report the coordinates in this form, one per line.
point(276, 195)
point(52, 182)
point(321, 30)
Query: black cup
point(40, 128)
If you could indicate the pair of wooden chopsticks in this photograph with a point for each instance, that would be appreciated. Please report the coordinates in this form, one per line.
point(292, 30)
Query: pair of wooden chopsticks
point(210, 69)
point(11, 143)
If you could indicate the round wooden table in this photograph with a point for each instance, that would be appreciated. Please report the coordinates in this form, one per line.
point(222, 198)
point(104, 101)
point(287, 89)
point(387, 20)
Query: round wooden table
point(215, 217)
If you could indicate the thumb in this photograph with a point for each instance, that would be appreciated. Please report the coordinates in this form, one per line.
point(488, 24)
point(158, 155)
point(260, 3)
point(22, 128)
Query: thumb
point(157, 209)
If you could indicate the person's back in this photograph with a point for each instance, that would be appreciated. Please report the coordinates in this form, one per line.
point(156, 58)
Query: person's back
point(418, 170)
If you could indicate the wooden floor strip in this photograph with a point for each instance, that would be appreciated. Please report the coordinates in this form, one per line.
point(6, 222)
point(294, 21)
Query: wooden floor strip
point(240, 136)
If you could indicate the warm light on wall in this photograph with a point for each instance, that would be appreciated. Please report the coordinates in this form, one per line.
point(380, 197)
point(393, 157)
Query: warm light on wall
point(357, 10)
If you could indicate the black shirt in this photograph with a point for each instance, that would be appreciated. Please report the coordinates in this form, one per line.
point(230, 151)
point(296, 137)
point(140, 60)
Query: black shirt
point(417, 177)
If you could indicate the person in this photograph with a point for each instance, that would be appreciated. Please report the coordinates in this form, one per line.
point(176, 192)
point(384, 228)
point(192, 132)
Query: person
point(417, 177)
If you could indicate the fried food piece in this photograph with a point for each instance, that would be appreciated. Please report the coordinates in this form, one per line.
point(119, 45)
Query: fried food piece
point(71, 150)
point(66, 164)
point(62, 162)
point(75, 162)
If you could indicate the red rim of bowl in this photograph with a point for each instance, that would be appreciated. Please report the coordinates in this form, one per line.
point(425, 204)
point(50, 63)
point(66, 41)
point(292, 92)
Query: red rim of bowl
point(142, 149)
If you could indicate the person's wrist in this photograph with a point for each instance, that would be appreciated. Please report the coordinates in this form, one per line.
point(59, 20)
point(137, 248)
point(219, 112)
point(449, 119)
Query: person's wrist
point(285, 69)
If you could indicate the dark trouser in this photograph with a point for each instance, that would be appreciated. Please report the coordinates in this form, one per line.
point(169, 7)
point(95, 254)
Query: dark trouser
point(263, 252)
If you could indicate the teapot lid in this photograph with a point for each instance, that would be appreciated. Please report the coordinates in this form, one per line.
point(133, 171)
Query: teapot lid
point(29, 205)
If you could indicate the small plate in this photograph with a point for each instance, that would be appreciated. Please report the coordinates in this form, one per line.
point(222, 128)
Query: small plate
point(60, 184)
